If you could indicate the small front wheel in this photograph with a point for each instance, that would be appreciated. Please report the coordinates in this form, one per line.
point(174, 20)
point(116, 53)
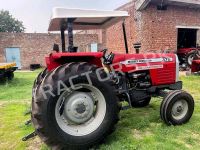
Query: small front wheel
point(177, 108)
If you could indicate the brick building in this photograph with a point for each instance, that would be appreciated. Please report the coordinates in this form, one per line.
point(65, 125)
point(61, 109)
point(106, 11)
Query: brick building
point(157, 25)
point(31, 48)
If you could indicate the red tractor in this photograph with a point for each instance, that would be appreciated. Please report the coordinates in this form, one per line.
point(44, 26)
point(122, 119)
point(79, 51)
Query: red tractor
point(186, 56)
point(77, 99)
point(195, 69)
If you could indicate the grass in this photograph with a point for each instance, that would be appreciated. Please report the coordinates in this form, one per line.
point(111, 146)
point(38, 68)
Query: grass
point(12, 126)
point(18, 89)
point(137, 129)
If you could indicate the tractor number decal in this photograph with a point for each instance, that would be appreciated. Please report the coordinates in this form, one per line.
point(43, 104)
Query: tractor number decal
point(149, 67)
point(141, 61)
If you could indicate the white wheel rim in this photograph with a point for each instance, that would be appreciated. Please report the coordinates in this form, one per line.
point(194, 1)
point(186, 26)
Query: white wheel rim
point(190, 59)
point(69, 122)
point(180, 109)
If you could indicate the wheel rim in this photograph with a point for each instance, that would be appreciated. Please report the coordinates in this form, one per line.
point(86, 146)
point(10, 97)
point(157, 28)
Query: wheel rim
point(80, 113)
point(179, 109)
point(190, 59)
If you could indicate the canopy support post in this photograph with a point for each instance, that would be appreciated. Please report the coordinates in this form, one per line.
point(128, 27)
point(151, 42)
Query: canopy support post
point(63, 40)
point(70, 35)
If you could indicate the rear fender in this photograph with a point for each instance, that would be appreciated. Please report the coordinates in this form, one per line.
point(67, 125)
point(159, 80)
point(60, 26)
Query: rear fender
point(58, 59)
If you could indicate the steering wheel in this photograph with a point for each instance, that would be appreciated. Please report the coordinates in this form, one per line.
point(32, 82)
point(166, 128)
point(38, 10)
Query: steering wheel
point(107, 59)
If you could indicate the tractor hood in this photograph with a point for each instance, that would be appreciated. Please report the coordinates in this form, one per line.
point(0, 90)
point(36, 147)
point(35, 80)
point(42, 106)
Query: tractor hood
point(85, 19)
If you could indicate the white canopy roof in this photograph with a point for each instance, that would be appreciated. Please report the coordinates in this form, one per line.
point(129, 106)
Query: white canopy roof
point(85, 19)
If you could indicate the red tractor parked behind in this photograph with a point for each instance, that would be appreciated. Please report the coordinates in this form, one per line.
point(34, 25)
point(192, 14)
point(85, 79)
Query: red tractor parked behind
point(186, 56)
point(77, 99)
point(195, 69)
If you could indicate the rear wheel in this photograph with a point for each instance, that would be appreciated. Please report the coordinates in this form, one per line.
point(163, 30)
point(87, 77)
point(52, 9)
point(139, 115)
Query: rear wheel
point(190, 58)
point(76, 118)
point(142, 103)
point(39, 79)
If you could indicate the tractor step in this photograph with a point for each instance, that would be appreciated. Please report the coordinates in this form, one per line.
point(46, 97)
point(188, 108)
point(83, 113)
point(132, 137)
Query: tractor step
point(27, 137)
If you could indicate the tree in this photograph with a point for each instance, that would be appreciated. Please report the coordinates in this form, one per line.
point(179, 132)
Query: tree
point(9, 24)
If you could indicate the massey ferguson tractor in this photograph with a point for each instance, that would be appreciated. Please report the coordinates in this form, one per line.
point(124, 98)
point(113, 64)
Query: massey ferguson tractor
point(77, 99)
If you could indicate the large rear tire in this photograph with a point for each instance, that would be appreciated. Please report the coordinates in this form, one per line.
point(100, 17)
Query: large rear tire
point(39, 79)
point(75, 118)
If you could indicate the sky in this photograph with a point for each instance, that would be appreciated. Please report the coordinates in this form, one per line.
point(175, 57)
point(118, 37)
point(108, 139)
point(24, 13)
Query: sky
point(35, 14)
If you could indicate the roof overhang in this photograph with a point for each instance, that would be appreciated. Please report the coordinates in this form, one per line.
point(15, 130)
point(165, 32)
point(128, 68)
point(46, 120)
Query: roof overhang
point(142, 4)
point(85, 19)
point(188, 27)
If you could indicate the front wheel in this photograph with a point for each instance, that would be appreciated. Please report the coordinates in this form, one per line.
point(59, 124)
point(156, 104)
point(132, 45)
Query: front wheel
point(77, 118)
point(177, 108)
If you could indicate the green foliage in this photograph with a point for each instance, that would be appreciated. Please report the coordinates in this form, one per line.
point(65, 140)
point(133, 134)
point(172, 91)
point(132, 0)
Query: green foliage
point(9, 24)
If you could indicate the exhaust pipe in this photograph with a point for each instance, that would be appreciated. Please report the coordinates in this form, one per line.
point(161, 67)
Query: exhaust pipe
point(137, 47)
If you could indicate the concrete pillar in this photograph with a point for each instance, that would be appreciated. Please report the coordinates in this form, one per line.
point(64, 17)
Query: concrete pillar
point(198, 37)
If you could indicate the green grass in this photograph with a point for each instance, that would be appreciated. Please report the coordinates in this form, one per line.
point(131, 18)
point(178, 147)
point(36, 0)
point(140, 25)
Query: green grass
point(137, 129)
point(12, 127)
point(18, 89)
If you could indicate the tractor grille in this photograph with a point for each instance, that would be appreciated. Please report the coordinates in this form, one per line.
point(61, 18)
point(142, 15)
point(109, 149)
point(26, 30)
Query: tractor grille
point(165, 76)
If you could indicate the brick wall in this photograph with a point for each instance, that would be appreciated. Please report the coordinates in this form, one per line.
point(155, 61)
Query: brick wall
point(113, 36)
point(34, 47)
point(155, 29)
point(163, 24)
